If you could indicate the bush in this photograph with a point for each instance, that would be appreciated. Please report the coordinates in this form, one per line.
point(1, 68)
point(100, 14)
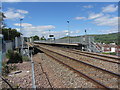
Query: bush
point(113, 53)
point(14, 57)
point(6, 69)
point(9, 54)
point(25, 58)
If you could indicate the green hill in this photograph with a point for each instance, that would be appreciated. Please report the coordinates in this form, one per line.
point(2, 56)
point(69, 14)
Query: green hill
point(107, 38)
point(104, 38)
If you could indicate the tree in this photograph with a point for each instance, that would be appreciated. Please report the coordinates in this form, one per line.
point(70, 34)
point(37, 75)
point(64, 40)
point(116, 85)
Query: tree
point(42, 38)
point(10, 34)
point(35, 37)
point(2, 16)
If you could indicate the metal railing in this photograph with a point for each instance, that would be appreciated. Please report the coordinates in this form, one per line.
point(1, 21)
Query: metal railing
point(88, 41)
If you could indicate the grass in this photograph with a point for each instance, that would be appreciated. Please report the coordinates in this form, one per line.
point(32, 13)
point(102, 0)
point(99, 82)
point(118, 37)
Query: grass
point(25, 58)
point(109, 53)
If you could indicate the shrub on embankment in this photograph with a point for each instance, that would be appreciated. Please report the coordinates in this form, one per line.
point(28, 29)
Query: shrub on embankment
point(14, 57)
point(6, 69)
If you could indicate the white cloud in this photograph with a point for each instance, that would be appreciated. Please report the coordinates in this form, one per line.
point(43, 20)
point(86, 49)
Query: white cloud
point(77, 31)
point(23, 24)
point(64, 33)
point(79, 18)
point(112, 30)
point(93, 15)
point(103, 19)
point(30, 30)
point(46, 27)
point(22, 11)
point(110, 8)
point(106, 21)
point(15, 14)
point(88, 6)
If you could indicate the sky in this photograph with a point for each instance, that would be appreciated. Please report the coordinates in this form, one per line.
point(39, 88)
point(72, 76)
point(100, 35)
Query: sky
point(60, 0)
point(44, 18)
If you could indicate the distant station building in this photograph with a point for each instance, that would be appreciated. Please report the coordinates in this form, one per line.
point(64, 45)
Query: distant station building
point(110, 48)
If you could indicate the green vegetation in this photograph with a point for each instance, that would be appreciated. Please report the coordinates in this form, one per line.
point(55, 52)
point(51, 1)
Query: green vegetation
point(107, 38)
point(25, 58)
point(10, 34)
point(6, 69)
point(109, 53)
point(35, 37)
point(104, 38)
point(42, 38)
point(14, 57)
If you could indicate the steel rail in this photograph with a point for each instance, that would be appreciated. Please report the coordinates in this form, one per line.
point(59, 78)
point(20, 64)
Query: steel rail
point(46, 76)
point(106, 71)
point(82, 74)
point(81, 53)
point(110, 72)
point(116, 58)
point(111, 57)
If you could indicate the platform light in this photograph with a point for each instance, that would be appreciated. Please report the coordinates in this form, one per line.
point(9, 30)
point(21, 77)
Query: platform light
point(68, 32)
point(21, 35)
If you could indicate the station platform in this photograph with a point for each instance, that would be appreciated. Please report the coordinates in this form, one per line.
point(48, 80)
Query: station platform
point(65, 45)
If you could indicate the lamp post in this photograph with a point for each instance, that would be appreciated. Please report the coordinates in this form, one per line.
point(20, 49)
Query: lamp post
point(49, 36)
point(21, 36)
point(20, 24)
point(68, 32)
point(86, 40)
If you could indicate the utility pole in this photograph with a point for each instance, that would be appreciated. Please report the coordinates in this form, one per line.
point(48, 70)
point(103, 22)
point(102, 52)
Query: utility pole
point(68, 32)
point(86, 40)
point(21, 36)
point(8, 34)
point(49, 35)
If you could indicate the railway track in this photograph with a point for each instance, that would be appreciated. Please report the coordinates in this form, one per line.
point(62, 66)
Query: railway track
point(101, 55)
point(112, 59)
point(102, 77)
point(94, 56)
point(104, 63)
point(41, 74)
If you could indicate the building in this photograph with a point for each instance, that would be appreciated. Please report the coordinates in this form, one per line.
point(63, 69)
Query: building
point(110, 48)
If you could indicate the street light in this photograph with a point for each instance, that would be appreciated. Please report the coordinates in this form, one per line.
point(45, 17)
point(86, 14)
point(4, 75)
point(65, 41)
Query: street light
point(49, 34)
point(21, 35)
point(68, 32)
point(9, 30)
point(86, 40)
point(20, 24)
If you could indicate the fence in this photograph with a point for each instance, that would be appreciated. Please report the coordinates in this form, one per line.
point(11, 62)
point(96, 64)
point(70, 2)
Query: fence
point(85, 40)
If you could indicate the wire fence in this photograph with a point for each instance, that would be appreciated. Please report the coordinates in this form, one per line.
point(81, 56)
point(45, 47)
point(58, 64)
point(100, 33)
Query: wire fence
point(85, 40)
